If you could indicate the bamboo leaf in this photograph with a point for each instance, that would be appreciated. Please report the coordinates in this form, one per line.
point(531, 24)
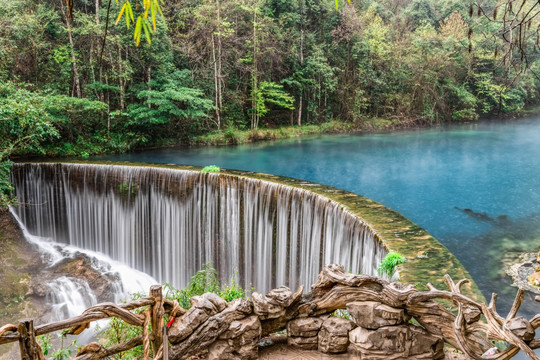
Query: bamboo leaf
point(138, 28)
point(146, 8)
point(159, 8)
point(130, 9)
point(153, 10)
point(121, 12)
point(146, 28)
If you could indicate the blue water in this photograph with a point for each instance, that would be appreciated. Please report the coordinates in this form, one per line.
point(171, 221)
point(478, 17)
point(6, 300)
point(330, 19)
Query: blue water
point(427, 175)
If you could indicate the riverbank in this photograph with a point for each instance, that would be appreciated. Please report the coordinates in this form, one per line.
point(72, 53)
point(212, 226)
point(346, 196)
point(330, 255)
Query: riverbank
point(235, 136)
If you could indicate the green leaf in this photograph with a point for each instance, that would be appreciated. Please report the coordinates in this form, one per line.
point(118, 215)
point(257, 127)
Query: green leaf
point(121, 13)
point(138, 28)
point(147, 30)
point(153, 11)
point(129, 11)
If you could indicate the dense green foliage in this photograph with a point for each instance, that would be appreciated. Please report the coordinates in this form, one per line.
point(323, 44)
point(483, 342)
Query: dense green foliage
point(220, 66)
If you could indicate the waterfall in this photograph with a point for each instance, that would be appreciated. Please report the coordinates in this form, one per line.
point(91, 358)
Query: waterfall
point(69, 297)
point(168, 223)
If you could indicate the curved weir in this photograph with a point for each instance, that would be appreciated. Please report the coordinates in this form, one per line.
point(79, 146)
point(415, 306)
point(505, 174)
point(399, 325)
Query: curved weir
point(169, 222)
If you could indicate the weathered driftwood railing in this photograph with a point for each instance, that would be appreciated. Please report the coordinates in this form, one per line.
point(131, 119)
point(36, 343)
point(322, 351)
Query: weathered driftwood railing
point(26, 333)
point(469, 328)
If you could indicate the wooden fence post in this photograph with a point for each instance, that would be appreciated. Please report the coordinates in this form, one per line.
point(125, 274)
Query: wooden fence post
point(30, 349)
point(165, 342)
point(157, 317)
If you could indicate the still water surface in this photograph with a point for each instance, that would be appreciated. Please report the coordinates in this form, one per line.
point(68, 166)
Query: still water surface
point(430, 176)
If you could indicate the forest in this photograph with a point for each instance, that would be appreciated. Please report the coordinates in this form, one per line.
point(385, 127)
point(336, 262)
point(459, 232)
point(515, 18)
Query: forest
point(74, 82)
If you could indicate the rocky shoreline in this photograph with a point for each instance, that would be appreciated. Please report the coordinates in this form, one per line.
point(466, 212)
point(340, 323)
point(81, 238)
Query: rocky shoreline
point(526, 272)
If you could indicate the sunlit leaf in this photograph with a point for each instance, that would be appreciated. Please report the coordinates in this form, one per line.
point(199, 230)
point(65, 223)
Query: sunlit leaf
point(138, 29)
point(153, 9)
point(159, 8)
point(147, 30)
point(121, 13)
point(130, 11)
point(146, 8)
point(127, 19)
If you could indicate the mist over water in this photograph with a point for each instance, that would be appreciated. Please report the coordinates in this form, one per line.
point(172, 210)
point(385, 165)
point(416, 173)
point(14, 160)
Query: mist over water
point(430, 176)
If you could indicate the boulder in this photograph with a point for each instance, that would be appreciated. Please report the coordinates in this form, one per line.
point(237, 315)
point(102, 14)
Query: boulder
point(239, 341)
point(373, 315)
point(471, 314)
point(202, 308)
point(334, 335)
point(210, 330)
point(521, 328)
point(274, 304)
point(395, 343)
point(304, 327)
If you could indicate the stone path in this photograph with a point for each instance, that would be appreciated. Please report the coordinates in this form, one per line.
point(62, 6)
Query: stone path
point(283, 352)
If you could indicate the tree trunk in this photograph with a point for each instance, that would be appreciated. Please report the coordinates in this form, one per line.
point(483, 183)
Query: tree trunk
point(254, 85)
point(121, 79)
point(76, 80)
point(300, 101)
point(97, 12)
point(216, 84)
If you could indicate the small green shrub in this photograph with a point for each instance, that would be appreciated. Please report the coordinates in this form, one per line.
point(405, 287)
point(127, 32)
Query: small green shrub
point(389, 263)
point(63, 353)
point(210, 169)
point(231, 292)
point(205, 280)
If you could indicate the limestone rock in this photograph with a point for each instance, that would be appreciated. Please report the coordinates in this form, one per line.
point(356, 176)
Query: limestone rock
point(373, 315)
point(239, 341)
point(395, 343)
point(306, 343)
point(265, 309)
point(304, 327)
point(202, 307)
point(471, 314)
point(274, 304)
point(282, 296)
point(246, 329)
point(521, 328)
point(210, 330)
point(334, 335)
